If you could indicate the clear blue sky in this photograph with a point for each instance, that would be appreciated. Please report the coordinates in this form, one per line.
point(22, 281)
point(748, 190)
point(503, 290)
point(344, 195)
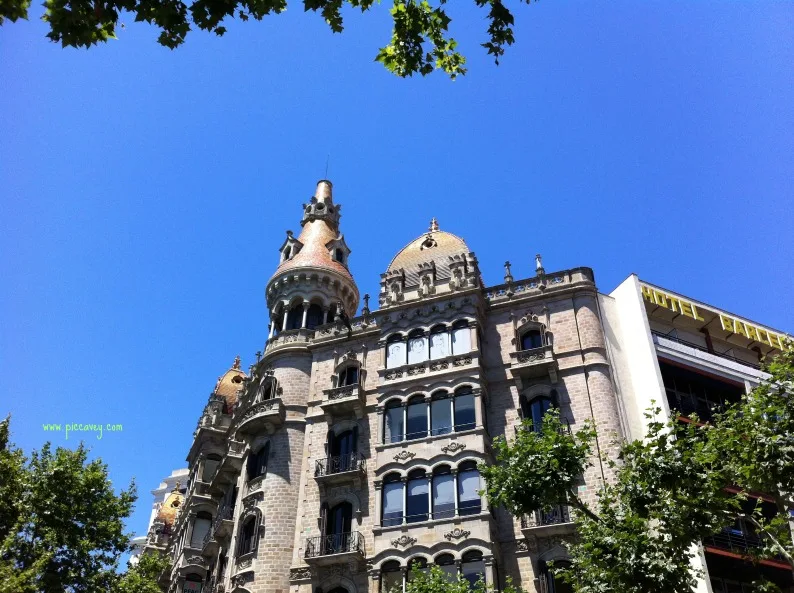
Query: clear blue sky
point(144, 192)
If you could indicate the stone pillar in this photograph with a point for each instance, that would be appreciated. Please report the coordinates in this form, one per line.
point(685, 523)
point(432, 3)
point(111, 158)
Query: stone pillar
point(305, 313)
point(284, 320)
point(272, 324)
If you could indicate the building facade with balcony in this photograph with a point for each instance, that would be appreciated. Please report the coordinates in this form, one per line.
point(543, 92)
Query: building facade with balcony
point(684, 356)
point(348, 452)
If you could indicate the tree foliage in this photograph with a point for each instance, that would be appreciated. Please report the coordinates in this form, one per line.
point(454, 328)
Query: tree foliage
point(434, 580)
point(684, 482)
point(143, 577)
point(420, 40)
point(61, 522)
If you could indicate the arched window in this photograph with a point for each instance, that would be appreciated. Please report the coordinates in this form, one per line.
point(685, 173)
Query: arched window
point(531, 339)
point(295, 316)
point(392, 501)
point(465, 416)
point(416, 418)
point(416, 498)
point(555, 584)
point(439, 342)
point(473, 568)
point(535, 410)
point(338, 527)
point(211, 464)
point(339, 255)
point(417, 347)
point(391, 578)
point(394, 422)
point(468, 489)
point(395, 351)
point(247, 542)
point(348, 376)
point(287, 252)
point(201, 527)
point(416, 564)
point(441, 413)
point(342, 451)
point(257, 462)
point(461, 337)
point(268, 390)
point(446, 562)
point(314, 316)
point(193, 582)
point(443, 493)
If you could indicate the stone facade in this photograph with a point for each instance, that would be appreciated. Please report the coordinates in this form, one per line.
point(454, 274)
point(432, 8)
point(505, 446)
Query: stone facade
point(294, 479)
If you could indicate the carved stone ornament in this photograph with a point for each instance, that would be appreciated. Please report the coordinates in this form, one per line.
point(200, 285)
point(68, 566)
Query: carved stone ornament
point(439, 366)
point(453, 447)
point(197, 560)
point(415, 370)
point(394, 375)
point(239, 580)
point(349, 355)
point(404, 456)
point(456, 533)
point(245, 563)
point(404, 541)
point(527, 357)
point(522, 545)
point(462, 361)
point(299, 574)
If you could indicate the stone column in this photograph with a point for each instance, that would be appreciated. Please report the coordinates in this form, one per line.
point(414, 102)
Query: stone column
point(272, 324)
point(284, 320)
point(305, 313)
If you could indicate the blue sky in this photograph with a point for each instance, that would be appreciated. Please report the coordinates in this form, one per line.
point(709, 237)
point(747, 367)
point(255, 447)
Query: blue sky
point(144, 192)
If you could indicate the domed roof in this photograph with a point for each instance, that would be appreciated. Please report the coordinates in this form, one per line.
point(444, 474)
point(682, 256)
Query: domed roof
point(230, 382)
point(433, 245)
point(171, 505)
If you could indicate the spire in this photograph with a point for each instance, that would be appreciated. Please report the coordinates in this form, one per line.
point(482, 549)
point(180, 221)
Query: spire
point(324, 191)
point(539, 265)
point(433, 225)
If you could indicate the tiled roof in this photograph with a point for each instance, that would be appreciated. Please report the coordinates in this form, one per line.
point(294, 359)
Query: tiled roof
point(315, 235)
point(434, 245)
point(230, 383)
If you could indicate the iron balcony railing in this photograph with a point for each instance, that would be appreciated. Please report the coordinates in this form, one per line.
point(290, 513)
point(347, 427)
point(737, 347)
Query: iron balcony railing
point(337, 543)
point(226, 513)
point(724, 355)
point(339, 464)
point(540, 518)
point(686, 404)
point(734, 541)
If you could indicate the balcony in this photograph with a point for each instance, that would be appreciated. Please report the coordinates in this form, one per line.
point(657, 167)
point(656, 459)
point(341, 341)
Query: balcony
point(291, 339)
point(533, 363)
point(189, 560)
point(221, 528)
point(529, 426)
point(733, 540)
point(200, 492)
point(343, 400)
point(263, 416)
point(661, 339)
point(334, 470)
point(541, 523)
point(340, 548)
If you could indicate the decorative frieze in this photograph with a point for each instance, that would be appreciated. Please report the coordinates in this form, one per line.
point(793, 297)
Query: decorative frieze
point(404, 541)
point(300, 574)
point(453, 447)
point(456, 533)
point(404, 455)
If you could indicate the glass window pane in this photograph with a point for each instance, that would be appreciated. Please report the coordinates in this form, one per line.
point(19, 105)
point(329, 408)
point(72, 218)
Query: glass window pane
point(464, 412)
point(461, 340)
point(395, 354)
point(473, 572)
point(417, 350)
point(468, 485)
point(417, 420)
point(439, 345)
point(210, 466)
point(391, 582)
point(441, 416)
point(443, 496)
point(394, 431)
point(392, 503)
point(417, 500)
point(200, 528)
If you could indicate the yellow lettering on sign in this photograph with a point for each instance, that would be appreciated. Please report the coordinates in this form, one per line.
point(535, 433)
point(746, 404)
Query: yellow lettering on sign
point(687, 309)
point(738, 327)
point(695, 311)
point(726, 323)
point(647, 292)
point(659, 299)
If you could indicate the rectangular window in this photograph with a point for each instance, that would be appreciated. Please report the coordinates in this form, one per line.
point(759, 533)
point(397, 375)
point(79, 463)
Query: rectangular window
point(439, 345)
point(461, 340)
point(443, 496)
point(392, 504)
point(417, 500)
point(417, 421)
point(395, 355)
point(394, 429)
point(441, 416)
point(465, 418)
point(469, 499)
point(417, 350)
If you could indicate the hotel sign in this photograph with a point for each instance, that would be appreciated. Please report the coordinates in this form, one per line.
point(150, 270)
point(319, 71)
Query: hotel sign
point(729, 323)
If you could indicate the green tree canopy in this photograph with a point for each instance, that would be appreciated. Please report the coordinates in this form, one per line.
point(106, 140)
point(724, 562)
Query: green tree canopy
point(684, 482)
point(61, 523)
point(420, 40)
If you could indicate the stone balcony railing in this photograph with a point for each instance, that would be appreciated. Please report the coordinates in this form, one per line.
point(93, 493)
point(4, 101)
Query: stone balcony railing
point(535, 362)
point(265, 415)
point(291, 339)
point(426, 367)
point(343, 400)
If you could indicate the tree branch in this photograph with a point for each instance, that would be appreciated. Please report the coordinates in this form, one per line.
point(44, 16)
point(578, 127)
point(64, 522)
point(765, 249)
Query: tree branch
point(775, 541)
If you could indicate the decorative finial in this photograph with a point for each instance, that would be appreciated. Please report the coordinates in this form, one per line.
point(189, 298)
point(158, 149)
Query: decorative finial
point(236, 364)
point(289, 234)
point(508, 275)
point(433, 225)
point(539, 265)
point(258, 355)
point(176, 487)
point(365, 310)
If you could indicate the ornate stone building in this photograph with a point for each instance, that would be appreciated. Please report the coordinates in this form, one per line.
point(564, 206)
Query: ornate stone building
point(349, 451)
